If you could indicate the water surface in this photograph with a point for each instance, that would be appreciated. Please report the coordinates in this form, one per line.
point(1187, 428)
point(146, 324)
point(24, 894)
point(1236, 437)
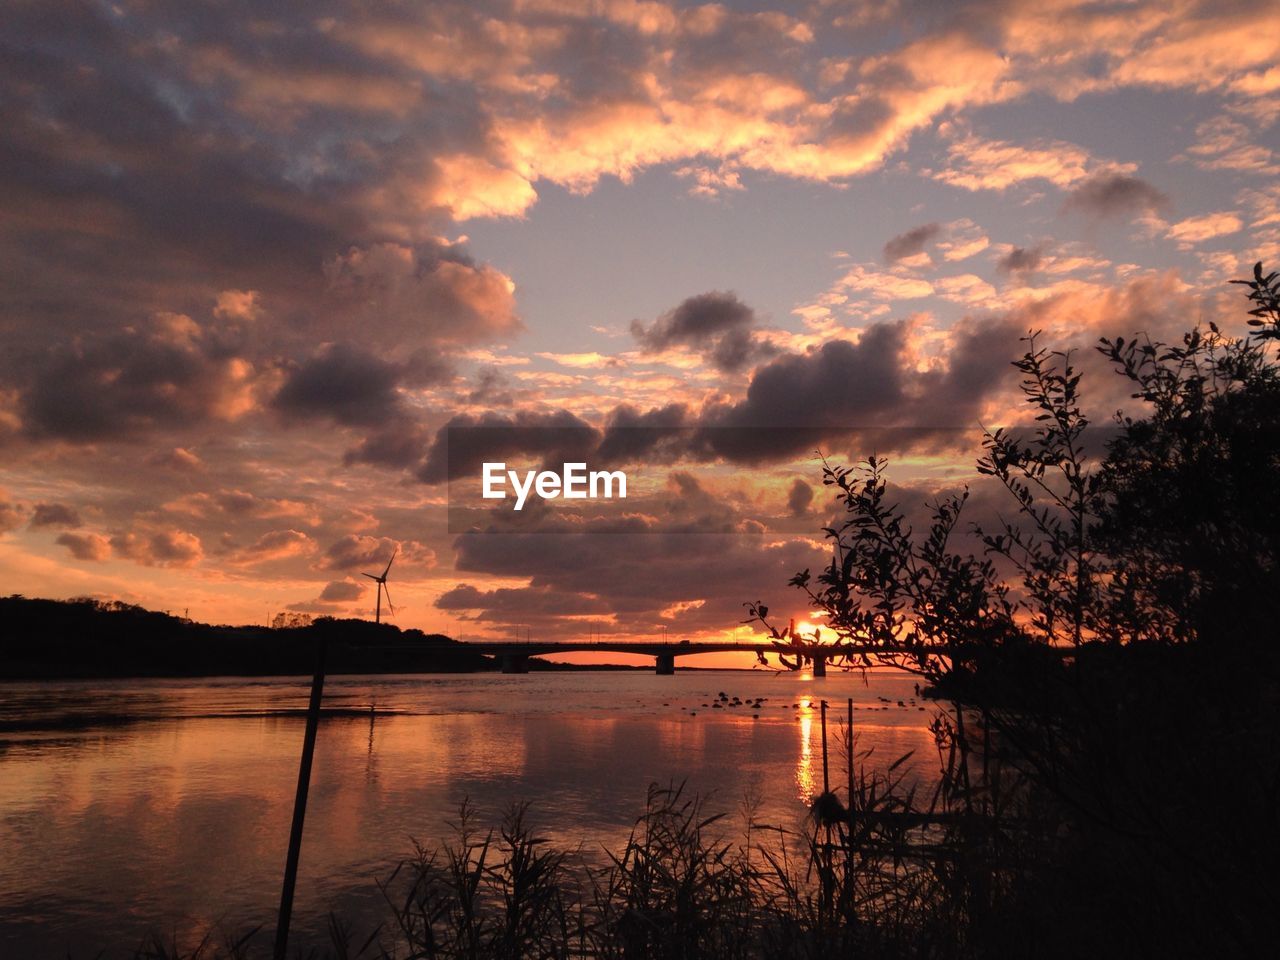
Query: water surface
point(164, 805)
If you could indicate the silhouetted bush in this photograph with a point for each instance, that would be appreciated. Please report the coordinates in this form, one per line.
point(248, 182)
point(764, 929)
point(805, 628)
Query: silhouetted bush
point(1109, 658)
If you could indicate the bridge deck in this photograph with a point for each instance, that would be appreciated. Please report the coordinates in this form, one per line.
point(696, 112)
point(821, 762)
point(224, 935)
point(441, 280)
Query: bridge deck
point(534, 648)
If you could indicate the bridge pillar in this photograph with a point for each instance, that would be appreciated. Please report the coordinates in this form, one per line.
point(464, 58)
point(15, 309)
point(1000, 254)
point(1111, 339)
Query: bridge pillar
point(666, 664)
point(819, 665)
point(514, 663)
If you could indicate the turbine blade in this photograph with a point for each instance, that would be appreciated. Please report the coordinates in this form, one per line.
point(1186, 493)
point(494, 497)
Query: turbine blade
point(388, 595)
point(389, 562)
point(371, 576)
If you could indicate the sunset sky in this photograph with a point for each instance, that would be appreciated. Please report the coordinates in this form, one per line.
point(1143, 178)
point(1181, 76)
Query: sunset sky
point(253, 258)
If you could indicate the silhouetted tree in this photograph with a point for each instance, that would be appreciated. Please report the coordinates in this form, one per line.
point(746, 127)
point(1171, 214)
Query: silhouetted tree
point(1189, 489)
point(1108, 656)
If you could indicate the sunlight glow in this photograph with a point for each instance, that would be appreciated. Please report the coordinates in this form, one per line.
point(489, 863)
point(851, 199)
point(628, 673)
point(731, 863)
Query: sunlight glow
point(804, 767)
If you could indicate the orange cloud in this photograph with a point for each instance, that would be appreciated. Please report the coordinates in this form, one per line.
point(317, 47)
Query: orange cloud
point(86, 546)
point(977, 164)
point(166, 547)
point(275, 545)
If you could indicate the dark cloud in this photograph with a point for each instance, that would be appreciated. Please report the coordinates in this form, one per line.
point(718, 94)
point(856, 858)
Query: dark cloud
point(356, 388)
point(431, 292)
point(794, 405)
point(159, 548)
point(54, 515)
point(798, 402)
point(157, 161)
point(660, 435)
point(165, 372)
point(912, 242)
point(370, 554)
point(696, 321)
point(275, 545)
point(86, 546)
point(341, 591)
point(346, 383)
point(507, 604)
point(799, 498)
point(466, 442)
point(398, 443)
point(697, 576)
point(631, 579)
point(718, 325)
point(1020, 260)
point(1114, 194)
point(356, 551)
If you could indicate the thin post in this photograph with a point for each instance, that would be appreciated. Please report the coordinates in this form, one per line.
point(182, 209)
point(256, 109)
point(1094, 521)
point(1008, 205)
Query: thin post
point(826, 774)
point(849, 757)
point(828, 855)
point(300, 803)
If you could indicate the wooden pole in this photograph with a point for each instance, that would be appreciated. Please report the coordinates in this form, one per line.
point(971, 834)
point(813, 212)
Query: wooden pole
point(849, 757)
point(300, 803)
point(826, 773)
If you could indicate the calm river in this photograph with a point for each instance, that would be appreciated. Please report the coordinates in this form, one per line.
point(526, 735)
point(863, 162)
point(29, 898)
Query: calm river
point(129, 807)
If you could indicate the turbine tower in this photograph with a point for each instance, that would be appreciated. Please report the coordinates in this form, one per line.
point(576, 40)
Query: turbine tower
point(381, 581)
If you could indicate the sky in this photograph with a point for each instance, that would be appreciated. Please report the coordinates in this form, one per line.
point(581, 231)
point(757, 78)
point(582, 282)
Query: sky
point(258, 263)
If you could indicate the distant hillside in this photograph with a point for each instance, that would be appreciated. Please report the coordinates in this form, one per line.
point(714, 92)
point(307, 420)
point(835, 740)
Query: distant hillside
point(93, 638)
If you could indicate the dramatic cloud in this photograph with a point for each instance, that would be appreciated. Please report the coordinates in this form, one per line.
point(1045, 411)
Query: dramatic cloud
point(793, 404)
point(276, 545)
point(54, 515)
point(370, 554)
point(718, 325)
point(514, 605)
point(165, 371)
point(1020, 260)
point(235, 508)
point(257, 271)
point(341, 591)
point(912, 242)
point(463, 444)
point(799, 498)
point(343, 382)
point(626, 580)
point(395, 294)
point(797, 402)
point(86, 546)
point(1115, 195)
point(162, 548)
point(660, 435)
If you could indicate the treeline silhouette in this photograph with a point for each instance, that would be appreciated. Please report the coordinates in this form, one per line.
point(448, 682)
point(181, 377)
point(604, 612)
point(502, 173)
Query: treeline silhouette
point(96, 638)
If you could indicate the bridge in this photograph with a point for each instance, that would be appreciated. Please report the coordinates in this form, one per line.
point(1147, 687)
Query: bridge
point(514, 656)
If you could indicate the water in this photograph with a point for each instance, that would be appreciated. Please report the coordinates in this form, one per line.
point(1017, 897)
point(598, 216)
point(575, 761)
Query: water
point(164, 805)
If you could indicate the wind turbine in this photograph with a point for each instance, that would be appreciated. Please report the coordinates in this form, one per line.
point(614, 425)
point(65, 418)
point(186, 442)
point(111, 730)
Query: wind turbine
point(381, 581)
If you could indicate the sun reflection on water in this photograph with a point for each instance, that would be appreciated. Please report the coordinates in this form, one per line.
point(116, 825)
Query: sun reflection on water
point(804, 766)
